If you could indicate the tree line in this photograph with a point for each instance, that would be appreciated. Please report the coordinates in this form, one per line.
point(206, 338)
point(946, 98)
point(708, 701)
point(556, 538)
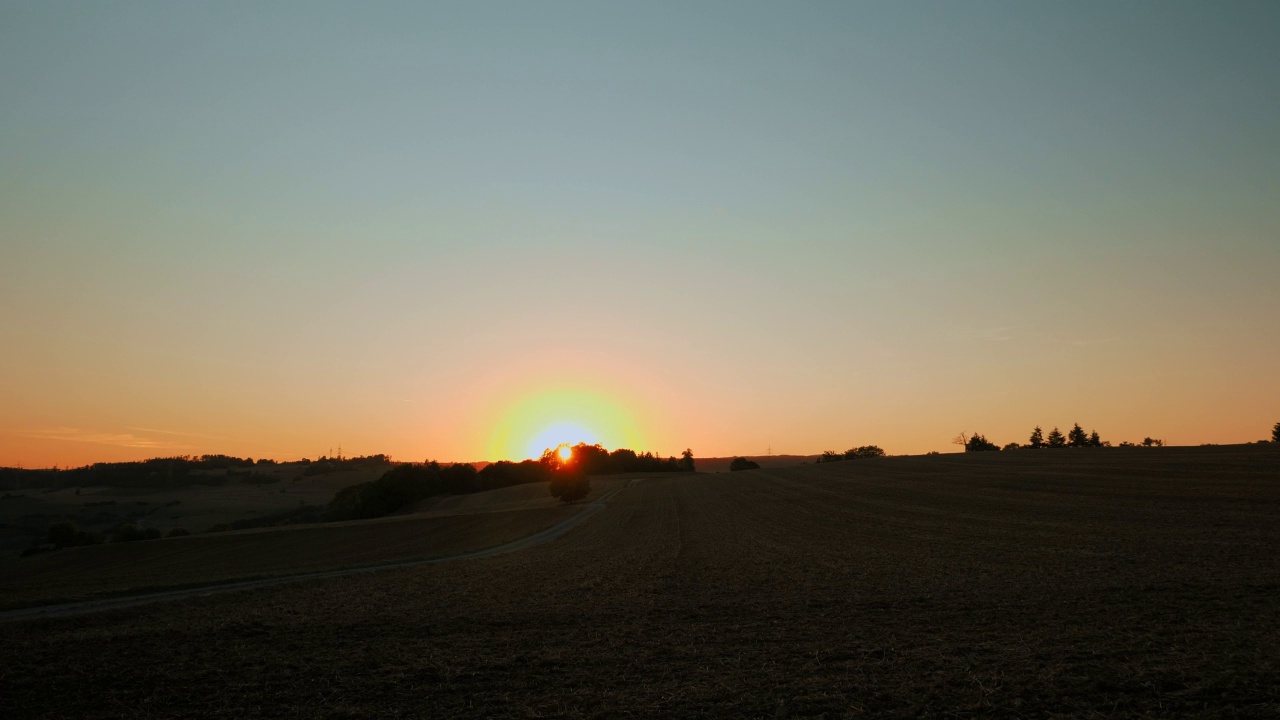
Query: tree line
point(407, 484)
point(174, 471)
point(855, 453)
point(1076, 437)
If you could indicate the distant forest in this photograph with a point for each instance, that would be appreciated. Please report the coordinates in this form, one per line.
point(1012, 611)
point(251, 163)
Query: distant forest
point(174, 472)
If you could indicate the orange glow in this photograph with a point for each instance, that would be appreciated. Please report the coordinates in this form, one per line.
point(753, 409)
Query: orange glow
point(559, 416)
point(566, 453)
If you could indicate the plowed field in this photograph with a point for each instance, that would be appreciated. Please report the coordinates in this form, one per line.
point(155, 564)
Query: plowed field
point(1112, 582)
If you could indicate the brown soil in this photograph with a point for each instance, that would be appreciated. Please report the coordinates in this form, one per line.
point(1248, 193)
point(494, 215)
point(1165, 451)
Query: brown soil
point(121, 568)
point(1107, 582)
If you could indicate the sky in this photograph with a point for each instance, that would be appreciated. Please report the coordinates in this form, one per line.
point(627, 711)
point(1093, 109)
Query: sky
point(463, 231)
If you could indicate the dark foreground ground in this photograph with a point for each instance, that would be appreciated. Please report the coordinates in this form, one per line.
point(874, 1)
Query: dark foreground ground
point(1095, 583)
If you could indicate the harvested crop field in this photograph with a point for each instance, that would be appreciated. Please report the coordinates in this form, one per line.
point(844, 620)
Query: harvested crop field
point(103, 570)
point(1109, 582)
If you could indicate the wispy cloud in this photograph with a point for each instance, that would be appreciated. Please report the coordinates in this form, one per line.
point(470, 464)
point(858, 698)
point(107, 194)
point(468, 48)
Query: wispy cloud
point(202, 436)
point(71, 434)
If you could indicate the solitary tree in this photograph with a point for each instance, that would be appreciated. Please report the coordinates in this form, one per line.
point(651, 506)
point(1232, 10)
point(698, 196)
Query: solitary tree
point(1056, 440)
point(686, 460)
point(1036, 441)
point(1275, 433)
point(743, 464)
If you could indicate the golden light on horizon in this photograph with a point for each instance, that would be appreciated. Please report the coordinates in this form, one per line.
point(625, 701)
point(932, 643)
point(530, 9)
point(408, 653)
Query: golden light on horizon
point(566, 453)
point(553, 417)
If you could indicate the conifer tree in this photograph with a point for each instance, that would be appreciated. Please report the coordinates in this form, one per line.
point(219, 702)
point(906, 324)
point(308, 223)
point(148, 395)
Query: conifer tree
point(1076, 437)
point(1037, 439)
point(1056, 440)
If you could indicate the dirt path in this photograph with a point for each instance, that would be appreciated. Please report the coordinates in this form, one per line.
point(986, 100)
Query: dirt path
point(92, 606)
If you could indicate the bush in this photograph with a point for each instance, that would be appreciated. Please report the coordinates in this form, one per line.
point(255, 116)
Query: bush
point(178, 532)
point(63, 534)
point(570, 487)
point(127, 532)
point(865, 451)
point(742, 463)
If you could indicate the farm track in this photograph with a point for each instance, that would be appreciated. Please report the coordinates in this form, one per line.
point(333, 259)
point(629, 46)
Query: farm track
point(204, 590)
point(1109, 583)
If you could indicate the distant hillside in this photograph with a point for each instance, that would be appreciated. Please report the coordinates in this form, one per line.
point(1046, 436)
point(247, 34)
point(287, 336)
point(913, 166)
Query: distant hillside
point(721, 464)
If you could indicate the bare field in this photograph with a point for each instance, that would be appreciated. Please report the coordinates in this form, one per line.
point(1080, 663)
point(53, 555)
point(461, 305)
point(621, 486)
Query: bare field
point(1111, 582)
point(530, 496)
point(27, 514)
point(118, 568)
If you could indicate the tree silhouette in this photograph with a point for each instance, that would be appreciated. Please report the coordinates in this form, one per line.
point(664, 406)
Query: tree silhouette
point(742, 463)
point(569, 485)
point(1094, 440)
point(686, 460)
point(1056, 440)
point(1275, 433)
point(1036, 441)
point(979, 443)
point(1076, 437)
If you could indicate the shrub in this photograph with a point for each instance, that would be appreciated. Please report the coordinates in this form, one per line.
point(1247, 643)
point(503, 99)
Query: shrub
point(570, 487)
point(178, 532)
point(128, 532)
point(742, 463)
point(63, 534)
point(864, 451)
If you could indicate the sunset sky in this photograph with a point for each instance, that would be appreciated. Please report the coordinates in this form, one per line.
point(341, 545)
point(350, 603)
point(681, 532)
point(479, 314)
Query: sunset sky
point(462, 230)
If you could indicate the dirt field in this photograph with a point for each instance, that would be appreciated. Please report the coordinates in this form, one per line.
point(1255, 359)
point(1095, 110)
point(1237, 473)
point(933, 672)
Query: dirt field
point(25, 515)
point(119, 568)
point(1107, 582)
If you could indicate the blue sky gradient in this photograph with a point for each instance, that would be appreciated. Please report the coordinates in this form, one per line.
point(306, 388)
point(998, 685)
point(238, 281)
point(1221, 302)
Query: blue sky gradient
point(276, 226)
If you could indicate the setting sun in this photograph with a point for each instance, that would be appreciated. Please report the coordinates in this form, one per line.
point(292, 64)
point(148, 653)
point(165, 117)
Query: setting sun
point(559, 416)
point(566, 453)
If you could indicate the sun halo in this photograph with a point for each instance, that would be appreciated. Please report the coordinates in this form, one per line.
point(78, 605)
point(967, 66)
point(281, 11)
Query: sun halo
point(558, 416)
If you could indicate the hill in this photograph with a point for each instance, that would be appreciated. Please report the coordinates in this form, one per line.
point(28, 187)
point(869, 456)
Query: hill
point(721, 464)
point(1073, 583)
